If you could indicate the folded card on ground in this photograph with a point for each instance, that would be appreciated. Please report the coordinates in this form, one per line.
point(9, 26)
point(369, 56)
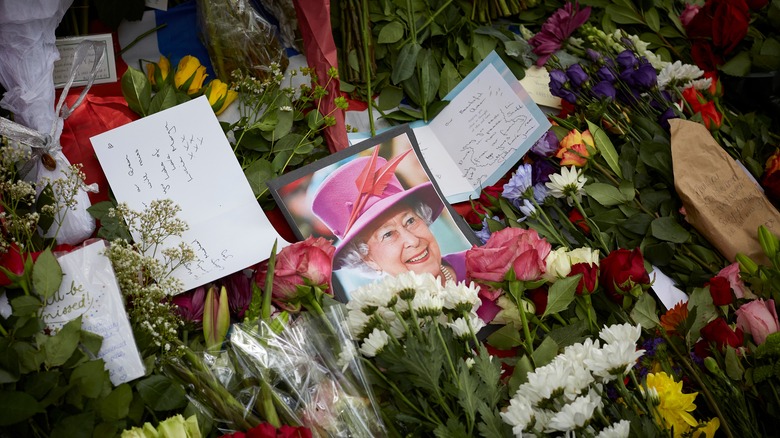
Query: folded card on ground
point(484, 131)
point(182, 154)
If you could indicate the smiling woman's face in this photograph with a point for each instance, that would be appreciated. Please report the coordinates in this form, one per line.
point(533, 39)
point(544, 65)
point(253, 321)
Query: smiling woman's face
point(401, 241)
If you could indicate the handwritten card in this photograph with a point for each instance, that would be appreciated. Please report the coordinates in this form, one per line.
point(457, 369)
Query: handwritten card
point(89, 289)
point(182, 154)
point(489, 124)
point(67, 47)
point(537, 83)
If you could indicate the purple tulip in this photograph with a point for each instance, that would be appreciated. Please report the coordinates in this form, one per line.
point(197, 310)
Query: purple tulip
point(604, 90)
point(576, 75)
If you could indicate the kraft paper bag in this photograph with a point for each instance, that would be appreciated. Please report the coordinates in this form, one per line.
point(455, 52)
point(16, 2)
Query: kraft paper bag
point(720, 199)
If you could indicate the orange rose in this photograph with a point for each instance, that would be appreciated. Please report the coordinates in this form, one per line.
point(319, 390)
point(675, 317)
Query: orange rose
point(576, 148)
point(772, 164)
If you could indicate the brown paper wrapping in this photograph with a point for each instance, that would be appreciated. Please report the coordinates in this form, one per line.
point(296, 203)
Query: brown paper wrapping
point(720, 199)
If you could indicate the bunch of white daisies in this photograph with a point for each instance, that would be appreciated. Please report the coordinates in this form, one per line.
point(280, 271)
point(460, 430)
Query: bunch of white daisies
point(564, 396)
point(398, 306)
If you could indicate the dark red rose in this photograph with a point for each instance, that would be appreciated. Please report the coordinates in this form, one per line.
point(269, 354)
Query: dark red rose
point(720, 289)
point(719, 332)
point(620, 270)
point(771, 185)
point(475, 214)
point(704, 57)
point(13, 260)
point(590, 276)
point(539, 298)
point(730, 22)
point(577, 219)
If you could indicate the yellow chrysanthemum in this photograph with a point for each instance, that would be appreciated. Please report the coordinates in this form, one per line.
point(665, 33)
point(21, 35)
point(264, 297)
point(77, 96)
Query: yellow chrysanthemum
point(708, 430)
point(674, 407)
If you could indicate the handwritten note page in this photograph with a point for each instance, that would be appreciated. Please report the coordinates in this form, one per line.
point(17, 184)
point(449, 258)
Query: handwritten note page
point(483, 126)
point(182, 154)
point(537, 83)
point(89, 289)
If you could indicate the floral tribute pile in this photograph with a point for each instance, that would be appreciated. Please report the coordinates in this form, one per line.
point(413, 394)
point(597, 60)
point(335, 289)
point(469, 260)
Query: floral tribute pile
point(562, 327)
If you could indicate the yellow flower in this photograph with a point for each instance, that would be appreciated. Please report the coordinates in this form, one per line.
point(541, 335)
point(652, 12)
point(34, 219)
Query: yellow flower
point(157, 72)
point(708, 430)
point(576, 148)
point(220, 96)
point(674, 407)
point(190, 75)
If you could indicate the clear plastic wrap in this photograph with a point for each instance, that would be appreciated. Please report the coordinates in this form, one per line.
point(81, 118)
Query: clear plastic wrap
point(237, 37)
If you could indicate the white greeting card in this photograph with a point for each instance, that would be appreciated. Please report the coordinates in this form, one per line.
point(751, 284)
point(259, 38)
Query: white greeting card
point(89, 289)
point(182, 154)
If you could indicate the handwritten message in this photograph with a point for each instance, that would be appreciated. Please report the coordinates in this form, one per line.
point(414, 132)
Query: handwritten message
point(537, 83)
point(182, 154)
point(89, 289)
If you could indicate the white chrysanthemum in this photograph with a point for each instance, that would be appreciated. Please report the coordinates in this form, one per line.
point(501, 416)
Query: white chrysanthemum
point(614, 360)
point(411, 281)
point(356, 321)
point(568, 184)
point(616, 430)
point(559, 377)
point(577, 353)
point(679, 73)
point(519, 414)
point(460, 328)
point(427, 304)
point(584, 255)
point(700, 84)
point(621, 333)
point(397, 329)
point(575, 414)
point(374, 343)
point(557, 265)
point(461, 297)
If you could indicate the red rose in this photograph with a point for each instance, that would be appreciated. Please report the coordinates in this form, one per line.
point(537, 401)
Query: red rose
point(771, 185)
point(475, 214)
point(720, 289)
point(715, 88)
point(293, 432)
point(590, 276)
point(309, 262)
point(694, 98)
point(510, 248)
point(730, 22)
point(704, 56)
point(577, 219)
point(13, 260)
point(710, 115)
point(621, 270)
point(719, 332)
point(539, 298)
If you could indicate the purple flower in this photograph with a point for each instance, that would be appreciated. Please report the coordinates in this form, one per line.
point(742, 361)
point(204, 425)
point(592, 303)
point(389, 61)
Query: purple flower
point(239, 292)
point(484, 233)
point(645, 76)
point(606, 74)
point(594, 55)
point(545, 146)
point(576, 75)
point(543, 169)
point(664, 118)
point(604, 90)
point(540, 192)
point(189, 305)
point(518, 184)
point(626, 59)
point(557, 29)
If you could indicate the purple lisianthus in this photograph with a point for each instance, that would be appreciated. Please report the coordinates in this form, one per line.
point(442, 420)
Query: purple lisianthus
point(543, 169)
point(604, 90)
point(627, 59)
point(557, 29)
point(664, 118)
point(519, 183)
point(606, 74)
point(576, 75)
point(594, 55)
point(546, 146)
point(645, 75)
point(559, 86)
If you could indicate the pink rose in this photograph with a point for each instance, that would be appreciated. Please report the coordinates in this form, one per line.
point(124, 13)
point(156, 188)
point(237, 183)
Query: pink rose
point(688, 14)
point(511, 248)
point(309, 262)
point(731, 273)
point(759, 318)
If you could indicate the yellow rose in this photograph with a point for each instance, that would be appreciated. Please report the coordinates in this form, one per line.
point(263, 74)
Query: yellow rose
point(220, 96)
point(575, 148)
point(157, 72)
point(190, 75)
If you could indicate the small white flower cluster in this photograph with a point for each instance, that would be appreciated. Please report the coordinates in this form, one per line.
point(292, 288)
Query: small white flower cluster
point(564, 395)
point(388, 308)
point(682, 75)
point(559, 261)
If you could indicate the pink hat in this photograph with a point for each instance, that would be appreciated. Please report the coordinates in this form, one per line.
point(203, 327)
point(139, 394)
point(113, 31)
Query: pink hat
point(340, 193)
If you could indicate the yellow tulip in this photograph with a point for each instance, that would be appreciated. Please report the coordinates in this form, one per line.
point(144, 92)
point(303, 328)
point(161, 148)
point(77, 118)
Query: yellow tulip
point(190, 75)
point(220, 96)
point(157, 72)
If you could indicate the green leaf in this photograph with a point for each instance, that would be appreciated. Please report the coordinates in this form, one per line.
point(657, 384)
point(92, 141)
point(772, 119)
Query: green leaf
point(17, 406)
point(644, 312)
point(637, 224)
point(47, 274)
point(733, 368)
point(46, 198)
point(561, 294)
point(60, 347)
point(482, 45)
point(137, 91)
point(10, 367)
point(606, 194)
point(653, 20)
point(90, 378)
point(623, 15)
point(390, 97)
point(701, 300)
point(25, 305)
point(429, 77)
point(545, 352)
point(505, 338)
point(116, 405)
point(467, 392)
point(605, 146)
point(161, 393)
point(39, 384)
point(258, 174)
point(449, 78)
point(668, 229)
point(520, 374)
point(404, 65)
point(75, 426)
point(391, 33)
point(739, 65)
point(164, 99)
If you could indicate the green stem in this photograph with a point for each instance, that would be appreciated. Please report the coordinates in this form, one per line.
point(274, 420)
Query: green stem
point(449, 356)
point(415, 30)
point(3, 331)
point(367, 57)
point(269, 409)
point(526, 331)
point(140, 37)
point(400, 393)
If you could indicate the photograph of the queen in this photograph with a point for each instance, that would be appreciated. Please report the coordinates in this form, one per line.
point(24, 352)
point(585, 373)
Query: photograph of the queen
point(383, 213)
